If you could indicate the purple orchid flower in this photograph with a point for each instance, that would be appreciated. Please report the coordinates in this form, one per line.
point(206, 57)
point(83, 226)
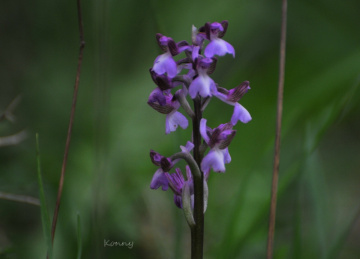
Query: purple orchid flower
point(217, 46)
point(176, 182)
point(165, 63)
point(162, 81)
point(232, 97)
point(159, 179)
point(168, 105)
point(218, 140)
point(203, 84)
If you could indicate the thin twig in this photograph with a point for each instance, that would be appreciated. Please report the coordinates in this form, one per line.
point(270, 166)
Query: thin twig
point(7, 114)
point(13, 139)
point(19, 198)
point(270, 242)
point(67, 145)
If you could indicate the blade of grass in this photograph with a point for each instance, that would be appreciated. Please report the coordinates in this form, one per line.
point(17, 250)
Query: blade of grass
point(316, 191)
point(322, 120)
point(237, 243)
point(335, 249)
point(45, 219)
point(79, 240)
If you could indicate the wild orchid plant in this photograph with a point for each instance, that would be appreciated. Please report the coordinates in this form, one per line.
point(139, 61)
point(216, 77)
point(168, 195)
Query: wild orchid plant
point(190, 75)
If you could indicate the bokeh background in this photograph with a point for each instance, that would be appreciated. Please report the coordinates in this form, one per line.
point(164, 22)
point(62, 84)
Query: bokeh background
point(109, 170)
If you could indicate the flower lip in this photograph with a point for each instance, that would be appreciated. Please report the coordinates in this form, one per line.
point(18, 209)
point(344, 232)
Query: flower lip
point(165, 63)
point(159, 179)
point(173, 120)
point(218, 46)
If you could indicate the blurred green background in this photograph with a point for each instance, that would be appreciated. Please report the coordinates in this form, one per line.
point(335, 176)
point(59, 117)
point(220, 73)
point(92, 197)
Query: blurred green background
point(109, 170)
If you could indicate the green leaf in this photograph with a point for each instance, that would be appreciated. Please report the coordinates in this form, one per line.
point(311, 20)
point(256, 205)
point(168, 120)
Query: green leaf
point(44, 212)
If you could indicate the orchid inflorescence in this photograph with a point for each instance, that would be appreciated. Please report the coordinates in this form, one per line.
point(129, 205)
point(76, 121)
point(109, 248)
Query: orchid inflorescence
point(190, 77)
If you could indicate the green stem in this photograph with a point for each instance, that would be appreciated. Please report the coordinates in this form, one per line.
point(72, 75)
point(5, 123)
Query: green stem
point(197, 232)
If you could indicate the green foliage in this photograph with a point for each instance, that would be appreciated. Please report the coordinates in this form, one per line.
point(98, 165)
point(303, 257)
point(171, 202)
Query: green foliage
point(43, 208)
point(109, 170)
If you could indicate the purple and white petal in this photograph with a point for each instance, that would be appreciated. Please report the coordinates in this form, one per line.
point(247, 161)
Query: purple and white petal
point(203, 130)
point(215, 160)
point(218, 47)
point(157, 96)
point(173, 120)
point(195, 52)
point(159, 179)
point(165, 64)
point(188, 147)
point(227, 157)
point(203, 85)
point(221, 96)
point(240, 114)
point(206, 175)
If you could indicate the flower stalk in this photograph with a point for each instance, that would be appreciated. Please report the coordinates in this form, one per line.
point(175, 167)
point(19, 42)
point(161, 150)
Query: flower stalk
point(197, 232)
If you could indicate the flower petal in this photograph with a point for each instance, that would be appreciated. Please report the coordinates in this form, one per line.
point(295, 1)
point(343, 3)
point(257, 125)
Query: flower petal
point(178, 201)
point(157, 96)
point(218, 47)
point(188, 147)
point(227, 157)
point(165, 64)
point(203, 85)
point(159, 179)
point(241, 114)
point(176, 181)
point(203, 130)
point(195, 52)
point(215, 160)
point(155, 157)
point(173, 120)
